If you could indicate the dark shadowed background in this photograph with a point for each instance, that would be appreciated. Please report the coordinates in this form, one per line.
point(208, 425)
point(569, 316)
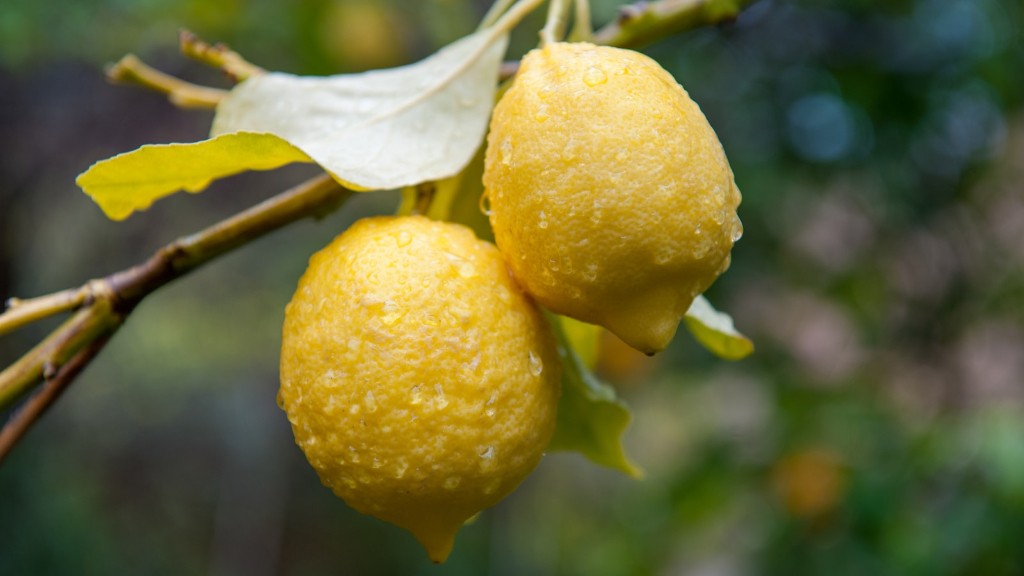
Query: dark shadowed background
point(878, 429)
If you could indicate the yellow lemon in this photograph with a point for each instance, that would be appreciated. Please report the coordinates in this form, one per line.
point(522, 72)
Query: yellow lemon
point(419, 380)
point(610, 195)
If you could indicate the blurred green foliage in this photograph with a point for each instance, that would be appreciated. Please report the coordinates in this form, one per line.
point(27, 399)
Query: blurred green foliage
point(878, 429)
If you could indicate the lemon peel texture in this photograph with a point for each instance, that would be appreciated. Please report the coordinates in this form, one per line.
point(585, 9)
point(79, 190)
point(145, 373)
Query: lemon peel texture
point(420, 382)
point(610, 195)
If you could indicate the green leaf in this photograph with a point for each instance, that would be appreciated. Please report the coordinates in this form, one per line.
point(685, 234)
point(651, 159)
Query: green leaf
point(584, 338)
point(134, 180)
point(591, 420)
point(464, 205)
point(716, 332)
point(381, 129)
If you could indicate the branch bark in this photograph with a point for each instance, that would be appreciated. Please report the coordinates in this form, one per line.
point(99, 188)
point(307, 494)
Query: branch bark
point(641, 23)
point(37, 405)
point(218, 56)
point(103, 305)
point(131, 70)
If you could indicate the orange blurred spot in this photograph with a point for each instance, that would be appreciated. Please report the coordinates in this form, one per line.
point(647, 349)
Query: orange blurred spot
point(810, 482)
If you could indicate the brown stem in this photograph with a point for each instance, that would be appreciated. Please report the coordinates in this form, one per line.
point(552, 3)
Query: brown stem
point(36, 406)
point(115, 296)
point(131, 70)
point(645, 22)
point(218, 56)
point(315, 197)
point(641, 23)
point(47, 356)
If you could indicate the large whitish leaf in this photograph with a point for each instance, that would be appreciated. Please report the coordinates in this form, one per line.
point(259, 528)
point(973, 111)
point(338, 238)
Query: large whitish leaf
point(384, 128)
point(591, 420)
point(132, 181)
point(716, 332)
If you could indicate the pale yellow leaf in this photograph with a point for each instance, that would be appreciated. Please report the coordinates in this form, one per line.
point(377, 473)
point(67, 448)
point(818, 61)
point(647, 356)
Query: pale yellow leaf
point(134, 180)
point(716, 332)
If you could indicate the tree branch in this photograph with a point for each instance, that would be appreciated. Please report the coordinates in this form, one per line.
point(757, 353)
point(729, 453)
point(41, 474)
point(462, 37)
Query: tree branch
point(111, 299)
point(102, 305)
point(37, 405)
point(46, 357)
point(23, 312)
point(218, 56)
point(641, 23)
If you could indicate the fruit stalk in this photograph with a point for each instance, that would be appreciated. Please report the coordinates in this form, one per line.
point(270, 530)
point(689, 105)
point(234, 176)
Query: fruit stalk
point(582, 28)
point(554, 28)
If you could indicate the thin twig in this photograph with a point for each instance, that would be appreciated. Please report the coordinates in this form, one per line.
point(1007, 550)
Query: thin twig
point(218, 56)
point(645, 22)
point(23, 312)
point(47, 356)
point(315, 197)
point(36, 406)
point(131, 70)
point(641, 23)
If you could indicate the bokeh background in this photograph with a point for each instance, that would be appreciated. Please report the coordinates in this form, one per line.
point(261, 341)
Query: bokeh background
point(878, 429)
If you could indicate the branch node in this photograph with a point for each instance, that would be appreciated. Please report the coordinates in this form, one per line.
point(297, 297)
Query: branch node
point(99, 291)
point(425, 193)
point(217, 55)
point(50, 369)
point(631, 12)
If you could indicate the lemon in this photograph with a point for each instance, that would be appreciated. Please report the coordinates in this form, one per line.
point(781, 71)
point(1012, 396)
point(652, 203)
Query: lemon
point(610, 195)
point(420, 382)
